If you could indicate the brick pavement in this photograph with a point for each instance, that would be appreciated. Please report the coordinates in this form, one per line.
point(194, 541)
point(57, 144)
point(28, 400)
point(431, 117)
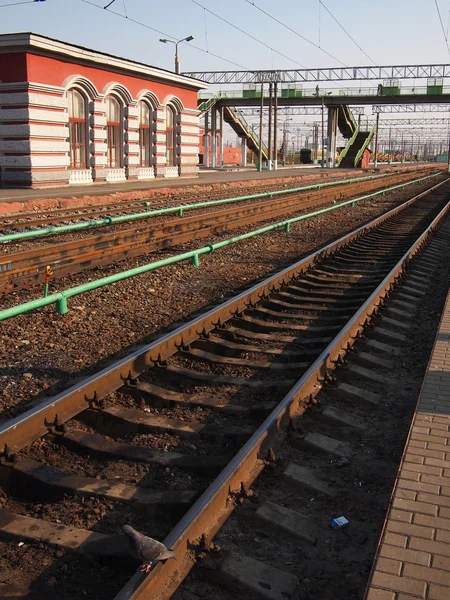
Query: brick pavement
point(413, 558)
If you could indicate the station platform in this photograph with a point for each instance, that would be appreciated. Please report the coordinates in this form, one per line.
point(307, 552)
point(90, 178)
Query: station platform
point(413, 556)
point(19, 200)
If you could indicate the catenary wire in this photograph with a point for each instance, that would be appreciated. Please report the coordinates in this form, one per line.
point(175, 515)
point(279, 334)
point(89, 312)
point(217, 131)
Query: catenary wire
point(442, 25)
point(246, 33)
point(136, 22)
point(252, 3)
point(346, 32)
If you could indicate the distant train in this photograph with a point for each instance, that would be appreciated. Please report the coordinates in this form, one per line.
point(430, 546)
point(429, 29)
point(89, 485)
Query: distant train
point(305, 156)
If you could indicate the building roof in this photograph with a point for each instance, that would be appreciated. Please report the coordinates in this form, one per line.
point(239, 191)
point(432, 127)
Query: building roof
point(41, 44)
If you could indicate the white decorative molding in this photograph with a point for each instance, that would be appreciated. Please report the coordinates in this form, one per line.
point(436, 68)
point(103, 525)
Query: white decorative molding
point(132, 111)
point(191, 111)
point(9, 41)
point(21, 98)
point(171, 172)
point(25, 146)
point(188, 129)
point(33, 114)
point(115, 175)
point(189, 140)
point(98, 121)
point(131, 136)
point(100, 147)
point(98, 135)
point(146, 173)
point(36, 160)
point(99, 161)
point(41, 131)
point(25, 86)
point(132, 160)
point(189, 160)
point(61, 176)
point(189, 119)
point(78, 176)
point(131, 124)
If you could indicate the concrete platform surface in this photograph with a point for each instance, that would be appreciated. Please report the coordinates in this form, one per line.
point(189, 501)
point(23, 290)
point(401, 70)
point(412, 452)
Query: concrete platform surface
point(413, 557)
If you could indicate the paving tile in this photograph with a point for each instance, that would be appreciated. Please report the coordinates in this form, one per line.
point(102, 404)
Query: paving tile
point(414, 556)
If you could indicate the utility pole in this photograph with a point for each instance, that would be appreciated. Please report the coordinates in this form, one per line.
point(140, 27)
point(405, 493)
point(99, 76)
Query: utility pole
point(390, 149)
point(269, 162)
point(322, 163)
point(260, 128)
point(221, 137)
point(448, 155)
point(275, 127)
point(376, 140)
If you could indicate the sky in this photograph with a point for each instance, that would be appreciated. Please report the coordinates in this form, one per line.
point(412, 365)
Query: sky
point(385, 32)
point(388, 31)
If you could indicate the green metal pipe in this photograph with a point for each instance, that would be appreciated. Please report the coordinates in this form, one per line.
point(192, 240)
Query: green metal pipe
point(60, 298)
point(178, 209)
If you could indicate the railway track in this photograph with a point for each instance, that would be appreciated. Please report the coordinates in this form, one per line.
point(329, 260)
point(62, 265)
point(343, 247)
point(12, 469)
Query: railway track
point(141, 441)
point(22, 269)
point(31, 219)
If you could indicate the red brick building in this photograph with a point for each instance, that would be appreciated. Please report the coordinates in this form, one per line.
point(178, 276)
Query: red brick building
point(232, 155)
point(71, 115)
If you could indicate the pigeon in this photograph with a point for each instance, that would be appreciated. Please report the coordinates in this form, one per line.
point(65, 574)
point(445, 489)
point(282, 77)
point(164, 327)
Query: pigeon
point(147, 549)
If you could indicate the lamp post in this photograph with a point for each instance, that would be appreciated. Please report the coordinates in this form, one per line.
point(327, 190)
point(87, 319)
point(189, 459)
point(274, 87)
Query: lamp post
point(189, 38)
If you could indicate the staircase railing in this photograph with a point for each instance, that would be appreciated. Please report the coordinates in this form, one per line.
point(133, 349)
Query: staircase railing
point(206, 104)
point(347, 115)
point(248, 130)
point(350, 142)
point(236, 115)
point(364, 146)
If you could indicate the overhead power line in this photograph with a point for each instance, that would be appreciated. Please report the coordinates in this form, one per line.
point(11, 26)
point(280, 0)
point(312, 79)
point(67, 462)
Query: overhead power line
point(18, 3)
point(246, 33)
point(442, 25)
point(136, 22)
point(345, 31)
point(252, 3)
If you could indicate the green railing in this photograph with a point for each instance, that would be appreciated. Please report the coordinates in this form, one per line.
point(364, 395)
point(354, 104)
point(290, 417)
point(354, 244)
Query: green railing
point(178, 209)
point(250, 133)
point(60, 298)
point(364, 146)
point(350, 142)
point(348, 115)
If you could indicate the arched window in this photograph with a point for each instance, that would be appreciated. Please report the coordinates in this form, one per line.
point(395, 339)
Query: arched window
point(113, 132)
point(77, 129)
point(170, 137)
point(145, 134)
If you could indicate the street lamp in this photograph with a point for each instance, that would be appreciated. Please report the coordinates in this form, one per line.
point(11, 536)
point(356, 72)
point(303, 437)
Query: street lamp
point(189, 38)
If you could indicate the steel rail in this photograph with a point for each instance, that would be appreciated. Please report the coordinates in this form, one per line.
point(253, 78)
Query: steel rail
point(212, 509)
point(215, 505)
point(60, 298)
point(22, 430)
point(106, 221)
point(20, 269)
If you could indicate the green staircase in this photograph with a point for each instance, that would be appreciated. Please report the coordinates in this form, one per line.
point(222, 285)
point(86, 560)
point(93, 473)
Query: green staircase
point(237, 122)
point(352, 154)
point(346, 121)
point(358, 141)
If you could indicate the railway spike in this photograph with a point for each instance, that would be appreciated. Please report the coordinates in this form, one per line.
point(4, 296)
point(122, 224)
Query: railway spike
point(271, 455)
